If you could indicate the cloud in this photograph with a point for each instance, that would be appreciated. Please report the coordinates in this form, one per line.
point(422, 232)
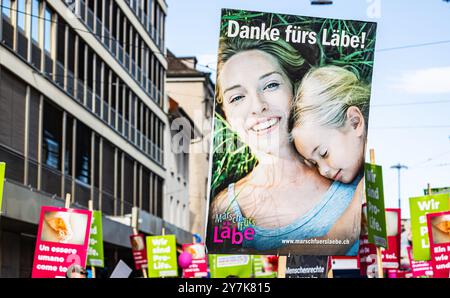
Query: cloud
point(425, 81)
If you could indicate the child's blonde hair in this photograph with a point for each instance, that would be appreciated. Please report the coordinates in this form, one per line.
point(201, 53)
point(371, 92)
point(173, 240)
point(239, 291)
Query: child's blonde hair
point(325, 94)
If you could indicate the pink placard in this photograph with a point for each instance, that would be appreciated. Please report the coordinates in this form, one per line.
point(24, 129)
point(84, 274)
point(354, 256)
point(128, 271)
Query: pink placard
point(367, 255)
point(199, 266)
point(419, 268)
point(62, 240)
point(391, 256)
point(439, 233)
point(139, 251)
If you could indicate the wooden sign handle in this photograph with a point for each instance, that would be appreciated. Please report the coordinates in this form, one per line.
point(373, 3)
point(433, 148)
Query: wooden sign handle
point(67, 205)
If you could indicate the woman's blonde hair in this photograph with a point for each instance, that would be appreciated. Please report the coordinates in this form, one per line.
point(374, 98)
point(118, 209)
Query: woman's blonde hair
point(290, 60)
point(325, 94)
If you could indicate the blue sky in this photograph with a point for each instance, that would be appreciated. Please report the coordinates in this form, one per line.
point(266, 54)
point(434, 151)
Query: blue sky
point(417, 135)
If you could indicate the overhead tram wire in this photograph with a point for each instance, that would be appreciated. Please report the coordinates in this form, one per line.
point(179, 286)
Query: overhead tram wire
point(157, 52)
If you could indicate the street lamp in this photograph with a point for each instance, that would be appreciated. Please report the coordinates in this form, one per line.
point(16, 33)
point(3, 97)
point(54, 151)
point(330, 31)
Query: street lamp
point(399, 167)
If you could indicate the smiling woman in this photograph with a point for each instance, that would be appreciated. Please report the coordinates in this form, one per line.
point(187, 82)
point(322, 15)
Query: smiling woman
point(255, 88)
point(264, 198)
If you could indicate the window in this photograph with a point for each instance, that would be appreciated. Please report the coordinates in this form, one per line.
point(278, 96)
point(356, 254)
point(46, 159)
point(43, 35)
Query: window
point(47, 30)
point(83, 154)
point(145, 190)
point(108, 167)
point(52, 136)
point(128, 180)
point(21, 9)
point(61, 38)
point(6, 8)
point(69, 146)
point(35, 20)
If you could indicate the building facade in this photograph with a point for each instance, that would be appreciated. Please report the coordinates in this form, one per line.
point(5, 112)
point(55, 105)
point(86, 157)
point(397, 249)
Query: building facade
point(84, 112)
point(194, 91)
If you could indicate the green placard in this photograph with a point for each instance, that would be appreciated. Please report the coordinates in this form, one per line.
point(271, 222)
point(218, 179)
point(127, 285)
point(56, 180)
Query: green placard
point(162, 256)
point(437, 190)
point(2, 181)
point(95, 251)
point(419, 207)
point(230, 266)
point(376, 215)
point(258, 268)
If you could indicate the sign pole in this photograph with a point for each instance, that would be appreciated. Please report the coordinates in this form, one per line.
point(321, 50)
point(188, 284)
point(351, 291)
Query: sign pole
point(91, 208)
point(379, 258)
point(282, 260)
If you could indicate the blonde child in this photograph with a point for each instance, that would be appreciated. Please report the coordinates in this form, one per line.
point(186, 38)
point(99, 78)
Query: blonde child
point(328, 122)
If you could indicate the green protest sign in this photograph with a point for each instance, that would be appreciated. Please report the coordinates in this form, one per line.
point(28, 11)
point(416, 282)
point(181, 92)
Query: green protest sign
point(437, 190)
point(95, 251)
point(162, 256)
point(419, 207)
point(230, 266)
point(376, 216)
point(2, 180)
point(260, 269)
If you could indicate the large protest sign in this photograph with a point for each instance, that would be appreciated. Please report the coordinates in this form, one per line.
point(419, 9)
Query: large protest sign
point(95, 250)
point(439, 232)
point(222, 266)
point(419, 207)
point(199, 265)
point(62, 240)
point(261, 201)
point(391, 255)
point(162, 256)
point(376, 215)
point(307, 267)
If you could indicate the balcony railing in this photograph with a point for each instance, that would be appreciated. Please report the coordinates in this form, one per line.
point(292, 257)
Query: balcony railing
point(112, 45)
point(51, 184)
point(76, 88)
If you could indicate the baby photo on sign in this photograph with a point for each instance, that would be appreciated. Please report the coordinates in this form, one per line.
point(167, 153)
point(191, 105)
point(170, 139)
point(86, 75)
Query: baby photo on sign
point(290, 130)
point(64, 227)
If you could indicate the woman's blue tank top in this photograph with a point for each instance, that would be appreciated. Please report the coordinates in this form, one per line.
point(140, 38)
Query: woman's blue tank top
point(314, 224)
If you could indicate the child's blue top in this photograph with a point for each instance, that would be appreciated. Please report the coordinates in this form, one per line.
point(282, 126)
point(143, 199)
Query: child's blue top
point(314, 224)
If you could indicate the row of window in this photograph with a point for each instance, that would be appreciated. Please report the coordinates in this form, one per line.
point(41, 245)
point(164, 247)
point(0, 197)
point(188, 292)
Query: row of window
point(124, 43)
point(150, 12)
point(50, 150)
point(84, 76)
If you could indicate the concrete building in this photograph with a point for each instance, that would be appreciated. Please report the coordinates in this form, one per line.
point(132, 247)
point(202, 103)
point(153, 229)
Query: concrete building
point(182, 131)
point(83, 111)
point(194, 91)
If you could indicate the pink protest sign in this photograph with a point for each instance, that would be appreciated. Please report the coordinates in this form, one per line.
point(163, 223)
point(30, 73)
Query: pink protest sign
point(198, 267)
point(439, 233)
point(368, 256)
point(419, 268)
point(62, 240)
point(391, 255)
point(139, 251)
